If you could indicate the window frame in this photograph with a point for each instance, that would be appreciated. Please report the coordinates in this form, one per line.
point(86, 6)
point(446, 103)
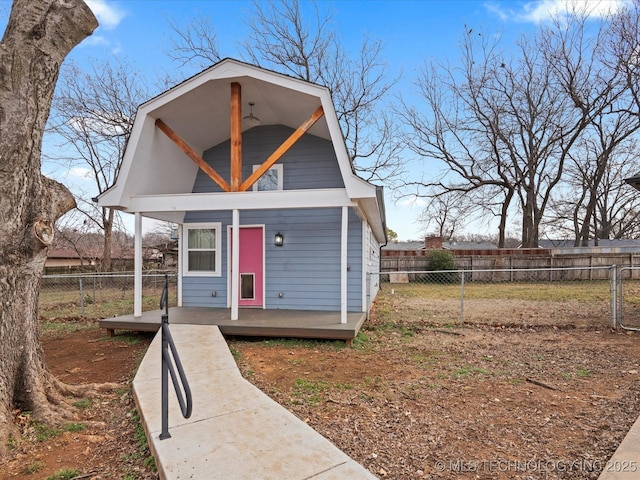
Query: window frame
point(278, 168)
point(217, 226)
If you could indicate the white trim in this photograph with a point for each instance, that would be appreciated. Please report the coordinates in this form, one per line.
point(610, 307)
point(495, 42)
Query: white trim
point(169, 206)
point(365, 262)
point(185, 202)
point(137, 266)
point(217, 226)
point(343, 264)
point(279, 169)
point(230, 68)
point(264, 263)
point(180, 255)
point(235, 263)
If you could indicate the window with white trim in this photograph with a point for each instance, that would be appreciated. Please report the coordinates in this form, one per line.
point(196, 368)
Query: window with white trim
point(271, 180)
point(202, 254)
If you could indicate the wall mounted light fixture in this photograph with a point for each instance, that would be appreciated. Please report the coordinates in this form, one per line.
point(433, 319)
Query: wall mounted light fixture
point(278, 240)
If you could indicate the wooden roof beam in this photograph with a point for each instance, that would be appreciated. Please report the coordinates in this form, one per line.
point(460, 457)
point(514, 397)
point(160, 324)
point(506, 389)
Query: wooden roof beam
point(282, 149)
point(191, 153)
point(236, 136)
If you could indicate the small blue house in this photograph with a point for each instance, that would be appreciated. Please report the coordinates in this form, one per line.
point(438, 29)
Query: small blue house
point(253, 167)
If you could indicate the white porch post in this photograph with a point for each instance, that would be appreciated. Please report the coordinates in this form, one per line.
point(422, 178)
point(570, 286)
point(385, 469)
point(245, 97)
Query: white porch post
point(180, 256)
point(343, 265)
point(137, 267)
point(365, 263)
point(235, 263)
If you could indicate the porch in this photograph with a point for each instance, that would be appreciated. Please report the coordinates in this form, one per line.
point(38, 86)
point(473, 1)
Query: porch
point(254, 322)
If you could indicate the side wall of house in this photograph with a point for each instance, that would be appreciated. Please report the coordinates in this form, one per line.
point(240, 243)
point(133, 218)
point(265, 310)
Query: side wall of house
point(305, 270)
point(372, 256)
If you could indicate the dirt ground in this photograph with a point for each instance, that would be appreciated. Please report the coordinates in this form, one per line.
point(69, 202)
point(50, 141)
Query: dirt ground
point(467, 403)
point(406, 400)
point(104, 442)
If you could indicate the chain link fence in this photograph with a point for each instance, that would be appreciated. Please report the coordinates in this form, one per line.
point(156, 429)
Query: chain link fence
point(590, 296)
point(629, 298)
point(100, 295)
point(513, 297)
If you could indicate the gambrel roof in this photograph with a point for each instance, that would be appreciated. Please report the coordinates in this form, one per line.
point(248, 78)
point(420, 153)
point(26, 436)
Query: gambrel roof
point(198, 111)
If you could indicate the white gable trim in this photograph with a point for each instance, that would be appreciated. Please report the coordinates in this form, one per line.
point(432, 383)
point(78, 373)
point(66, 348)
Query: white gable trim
point(189, 202)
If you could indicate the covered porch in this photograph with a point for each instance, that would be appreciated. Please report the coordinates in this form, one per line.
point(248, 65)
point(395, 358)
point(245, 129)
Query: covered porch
point(251, 322)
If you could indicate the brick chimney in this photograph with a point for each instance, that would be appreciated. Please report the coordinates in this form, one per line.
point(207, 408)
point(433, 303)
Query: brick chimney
point(433, 242)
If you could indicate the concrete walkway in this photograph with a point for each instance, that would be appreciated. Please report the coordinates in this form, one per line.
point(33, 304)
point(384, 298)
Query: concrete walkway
point(236, 432)
point(624, 464)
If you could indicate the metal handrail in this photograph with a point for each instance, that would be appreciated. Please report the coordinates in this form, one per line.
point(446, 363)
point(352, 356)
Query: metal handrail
point(164, 297)
point(168, 369)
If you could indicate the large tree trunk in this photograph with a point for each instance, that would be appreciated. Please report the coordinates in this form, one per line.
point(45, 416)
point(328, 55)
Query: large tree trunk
point(107, 222)
point(39, 35)
point(504, 211)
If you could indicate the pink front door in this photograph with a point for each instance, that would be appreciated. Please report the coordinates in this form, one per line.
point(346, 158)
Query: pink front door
point(251, 272)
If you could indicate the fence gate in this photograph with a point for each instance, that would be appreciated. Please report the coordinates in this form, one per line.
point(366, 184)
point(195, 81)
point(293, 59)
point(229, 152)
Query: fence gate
point(629, 293)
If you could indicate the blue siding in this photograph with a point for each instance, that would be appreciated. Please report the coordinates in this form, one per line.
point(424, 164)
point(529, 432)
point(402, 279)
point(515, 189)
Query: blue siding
point(310, 163)
point(197, 291)
point(306, 270)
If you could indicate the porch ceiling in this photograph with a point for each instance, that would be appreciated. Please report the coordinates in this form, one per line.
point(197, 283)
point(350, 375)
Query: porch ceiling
point(198, 111)
point(201, 116)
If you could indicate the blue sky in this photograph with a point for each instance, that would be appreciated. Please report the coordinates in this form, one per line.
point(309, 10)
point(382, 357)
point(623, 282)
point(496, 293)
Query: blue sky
point(412, 32)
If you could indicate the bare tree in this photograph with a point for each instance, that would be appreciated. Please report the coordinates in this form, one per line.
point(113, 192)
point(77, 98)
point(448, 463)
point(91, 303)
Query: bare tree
point(280, 38)
point(617, 213)
point(623, 50)
point(194, 44)
point(458, 126)
point(596, 80)
point(92, 118)
point(597, 71)
point(38, 36)
point(74, 232)
point(309, 48)
point(512, 124)
point(447, 214)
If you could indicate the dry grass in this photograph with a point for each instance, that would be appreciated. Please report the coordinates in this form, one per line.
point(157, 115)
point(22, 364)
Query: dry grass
point(582, 303)
point(62, 302)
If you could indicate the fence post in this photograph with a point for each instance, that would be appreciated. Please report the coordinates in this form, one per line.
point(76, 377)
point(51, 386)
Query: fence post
point(614, 288)
point(614, 296)
point(81, 297)
point(462, 298)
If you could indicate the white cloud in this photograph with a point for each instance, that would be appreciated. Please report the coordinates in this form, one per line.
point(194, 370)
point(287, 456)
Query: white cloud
point(80, 172)
point(498, 10)
point(411, 201)
point(96, 40)
point(100, 41)
point(543, 10)
point(109, 16)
